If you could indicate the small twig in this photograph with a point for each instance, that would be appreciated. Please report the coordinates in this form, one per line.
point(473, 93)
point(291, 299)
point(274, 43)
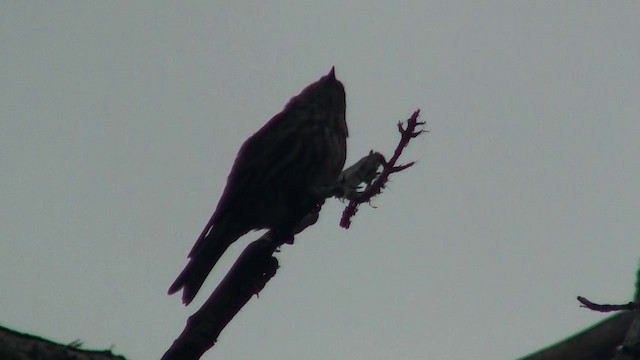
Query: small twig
point(389, 167)
point(607, 307)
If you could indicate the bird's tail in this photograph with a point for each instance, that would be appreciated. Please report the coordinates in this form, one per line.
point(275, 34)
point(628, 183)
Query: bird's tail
point(203, 257)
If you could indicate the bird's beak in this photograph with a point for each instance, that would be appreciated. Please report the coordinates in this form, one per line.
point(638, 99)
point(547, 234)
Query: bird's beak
point(332, 74)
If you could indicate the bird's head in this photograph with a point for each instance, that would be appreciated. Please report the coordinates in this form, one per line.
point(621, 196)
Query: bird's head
point(326, 93)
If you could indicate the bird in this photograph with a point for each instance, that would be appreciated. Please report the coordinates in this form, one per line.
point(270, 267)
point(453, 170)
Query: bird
point(276, 178)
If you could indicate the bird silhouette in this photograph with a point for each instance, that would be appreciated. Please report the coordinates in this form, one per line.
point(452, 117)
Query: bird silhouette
point(276, 177)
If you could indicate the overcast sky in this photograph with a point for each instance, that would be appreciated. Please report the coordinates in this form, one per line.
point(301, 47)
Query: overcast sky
point(119, 122)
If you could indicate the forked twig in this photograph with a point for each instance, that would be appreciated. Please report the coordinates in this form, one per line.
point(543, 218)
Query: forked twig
point(389, 167)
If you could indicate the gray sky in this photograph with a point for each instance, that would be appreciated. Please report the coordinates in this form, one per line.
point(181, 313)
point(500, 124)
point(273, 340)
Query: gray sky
point(119, 123)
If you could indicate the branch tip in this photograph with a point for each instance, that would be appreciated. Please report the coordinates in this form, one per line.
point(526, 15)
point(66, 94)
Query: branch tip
point(407, 133)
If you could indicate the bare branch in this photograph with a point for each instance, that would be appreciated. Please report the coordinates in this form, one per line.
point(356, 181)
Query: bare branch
point(406, 134)
point(606, 307)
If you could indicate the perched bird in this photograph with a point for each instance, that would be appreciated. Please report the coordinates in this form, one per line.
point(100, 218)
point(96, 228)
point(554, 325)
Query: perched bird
point(276, 178)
